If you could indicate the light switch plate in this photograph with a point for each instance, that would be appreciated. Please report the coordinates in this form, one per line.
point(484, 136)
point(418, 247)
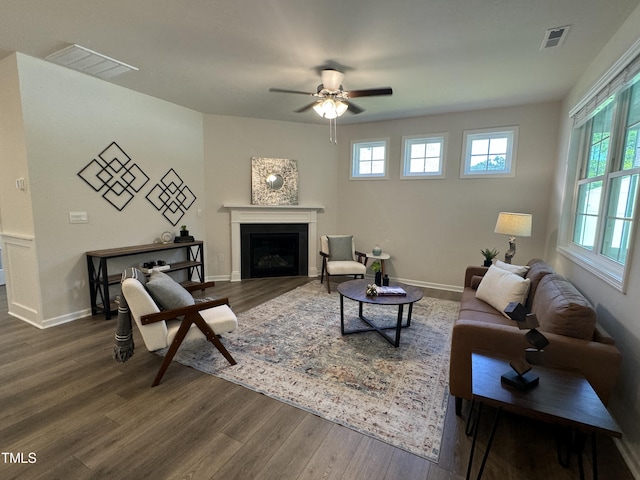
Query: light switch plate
point(78, 217)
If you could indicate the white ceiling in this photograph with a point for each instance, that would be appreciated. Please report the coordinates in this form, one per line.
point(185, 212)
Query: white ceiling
point(221, 56)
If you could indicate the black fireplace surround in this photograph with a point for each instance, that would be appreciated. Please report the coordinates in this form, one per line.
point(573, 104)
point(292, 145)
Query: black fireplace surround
point(274, 250)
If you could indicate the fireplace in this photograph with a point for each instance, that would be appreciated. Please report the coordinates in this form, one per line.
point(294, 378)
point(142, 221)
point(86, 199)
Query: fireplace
point(275, 215)
point(274, 250)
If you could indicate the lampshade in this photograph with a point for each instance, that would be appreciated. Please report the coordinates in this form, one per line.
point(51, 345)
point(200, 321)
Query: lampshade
point(515, 224)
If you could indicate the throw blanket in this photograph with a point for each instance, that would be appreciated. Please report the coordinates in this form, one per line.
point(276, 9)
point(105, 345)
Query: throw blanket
point(123, 349)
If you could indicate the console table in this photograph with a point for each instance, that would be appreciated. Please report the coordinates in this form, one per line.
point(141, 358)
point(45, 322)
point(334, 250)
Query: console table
point(100, 278)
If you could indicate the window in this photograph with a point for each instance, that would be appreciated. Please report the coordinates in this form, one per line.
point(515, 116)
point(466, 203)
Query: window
point(605, 161)
point(369, 159)
point(489, 152)
point(423, 156)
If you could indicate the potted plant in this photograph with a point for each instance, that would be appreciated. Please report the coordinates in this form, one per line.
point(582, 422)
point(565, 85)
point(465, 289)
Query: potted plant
point(183, 231)
point(376, 267)
point(489, 255)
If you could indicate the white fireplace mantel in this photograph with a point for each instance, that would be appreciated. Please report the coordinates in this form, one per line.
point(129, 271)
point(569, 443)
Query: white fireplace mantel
point(243, 214)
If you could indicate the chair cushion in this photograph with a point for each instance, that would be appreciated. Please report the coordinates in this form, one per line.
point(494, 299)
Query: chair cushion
point(499, 288)
point(340, 248)
point(221, 320)
point(168, 293)
point(140, 303)
point(346, 268)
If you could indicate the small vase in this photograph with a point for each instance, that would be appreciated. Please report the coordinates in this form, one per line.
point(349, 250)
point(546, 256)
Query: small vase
point(376, 250)
point(184, 233)
point(488, 263)
point(379, 279)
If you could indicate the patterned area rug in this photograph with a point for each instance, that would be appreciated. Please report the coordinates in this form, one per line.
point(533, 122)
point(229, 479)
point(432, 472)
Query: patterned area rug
point(291, 349)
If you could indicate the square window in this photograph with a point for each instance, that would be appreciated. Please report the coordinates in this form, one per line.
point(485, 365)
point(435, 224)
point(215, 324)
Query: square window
point(369, 159)
point(489, 152)
point(423, 156)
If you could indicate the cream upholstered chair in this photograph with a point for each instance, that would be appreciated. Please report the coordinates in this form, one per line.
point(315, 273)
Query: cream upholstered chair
point(183, 320)
point(340, 257)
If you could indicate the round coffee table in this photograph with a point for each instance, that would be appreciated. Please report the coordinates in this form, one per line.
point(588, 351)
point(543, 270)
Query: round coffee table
point(357, 290)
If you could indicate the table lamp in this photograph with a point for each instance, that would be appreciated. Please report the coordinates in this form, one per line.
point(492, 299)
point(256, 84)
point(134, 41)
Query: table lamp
point(513, 224)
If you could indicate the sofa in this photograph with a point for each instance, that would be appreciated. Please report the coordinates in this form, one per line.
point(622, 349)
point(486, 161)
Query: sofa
point(566, 319)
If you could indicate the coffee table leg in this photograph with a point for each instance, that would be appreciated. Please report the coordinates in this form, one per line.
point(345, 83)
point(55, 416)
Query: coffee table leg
point(342, 314)
point(409, 314)
point(399, 325)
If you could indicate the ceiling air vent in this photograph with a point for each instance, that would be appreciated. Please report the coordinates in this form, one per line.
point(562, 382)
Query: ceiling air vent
point(87, 61)
point(554, 37)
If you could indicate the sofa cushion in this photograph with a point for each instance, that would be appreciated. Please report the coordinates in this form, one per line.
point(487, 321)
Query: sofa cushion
point(499, 288)
point(537, 270)
point(561, 309)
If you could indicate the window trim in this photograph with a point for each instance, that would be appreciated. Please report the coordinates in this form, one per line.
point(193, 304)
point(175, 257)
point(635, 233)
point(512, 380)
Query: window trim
point(611, 272)
point(355, 160)
point(404, 165)
point(511, 131)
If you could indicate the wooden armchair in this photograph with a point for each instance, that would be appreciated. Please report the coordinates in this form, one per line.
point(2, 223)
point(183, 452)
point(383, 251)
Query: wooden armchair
point(171, 327)
point(340, 257)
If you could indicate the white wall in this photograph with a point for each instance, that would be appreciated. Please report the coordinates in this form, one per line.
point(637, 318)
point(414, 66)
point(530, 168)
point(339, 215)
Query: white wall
point(616, 311)
point(68, 119)
point(434, 228)
point(230, 142)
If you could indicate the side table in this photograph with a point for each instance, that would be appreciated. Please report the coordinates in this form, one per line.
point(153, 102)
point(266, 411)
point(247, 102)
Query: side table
point(382, 257)
point(564, 398)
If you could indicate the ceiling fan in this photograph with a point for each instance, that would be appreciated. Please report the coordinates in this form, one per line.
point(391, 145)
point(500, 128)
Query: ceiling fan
point(332, 100)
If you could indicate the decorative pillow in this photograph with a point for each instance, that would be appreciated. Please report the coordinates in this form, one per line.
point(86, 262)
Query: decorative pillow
point(340, 248)
point(517, 269)
point(168, 293)
point(498, 288)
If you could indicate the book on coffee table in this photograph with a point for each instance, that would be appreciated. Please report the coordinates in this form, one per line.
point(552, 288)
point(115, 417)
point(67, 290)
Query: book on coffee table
point(388, 290)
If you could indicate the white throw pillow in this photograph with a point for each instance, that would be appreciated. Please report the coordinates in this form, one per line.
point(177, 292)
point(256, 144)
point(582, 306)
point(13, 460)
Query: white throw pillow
point(499, 288)
point(517, 269)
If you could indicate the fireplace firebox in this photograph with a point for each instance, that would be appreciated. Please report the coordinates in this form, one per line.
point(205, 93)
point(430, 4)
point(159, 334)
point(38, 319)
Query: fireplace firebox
point(274, 250)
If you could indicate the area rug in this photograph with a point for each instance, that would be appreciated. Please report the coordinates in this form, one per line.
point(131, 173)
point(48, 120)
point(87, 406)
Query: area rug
point(291, 349)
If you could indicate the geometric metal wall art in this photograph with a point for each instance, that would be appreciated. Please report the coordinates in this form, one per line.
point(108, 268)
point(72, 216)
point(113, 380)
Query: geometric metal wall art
point(172, 197)
point(114, 174)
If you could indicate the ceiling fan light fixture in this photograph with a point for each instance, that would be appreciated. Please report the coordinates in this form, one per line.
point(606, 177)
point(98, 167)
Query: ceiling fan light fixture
point(330, 108)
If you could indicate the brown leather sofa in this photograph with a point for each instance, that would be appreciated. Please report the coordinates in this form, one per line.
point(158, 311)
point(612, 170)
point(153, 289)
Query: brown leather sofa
point(563, 314)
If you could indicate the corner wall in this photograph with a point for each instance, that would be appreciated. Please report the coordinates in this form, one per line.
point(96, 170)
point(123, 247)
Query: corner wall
point(230, 142)
point(617, 312)
point(434, 228)
point(68, 118)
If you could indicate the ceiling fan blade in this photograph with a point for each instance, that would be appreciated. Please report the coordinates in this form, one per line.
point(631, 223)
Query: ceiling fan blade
point(306, 107)
point(283, 90)
point(370, 92)
point(353, 108)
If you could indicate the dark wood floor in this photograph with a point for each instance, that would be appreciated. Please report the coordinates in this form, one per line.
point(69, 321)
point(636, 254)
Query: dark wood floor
point(83, 415)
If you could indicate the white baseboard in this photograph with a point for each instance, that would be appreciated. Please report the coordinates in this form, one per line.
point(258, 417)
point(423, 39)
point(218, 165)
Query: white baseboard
point(52, 322)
